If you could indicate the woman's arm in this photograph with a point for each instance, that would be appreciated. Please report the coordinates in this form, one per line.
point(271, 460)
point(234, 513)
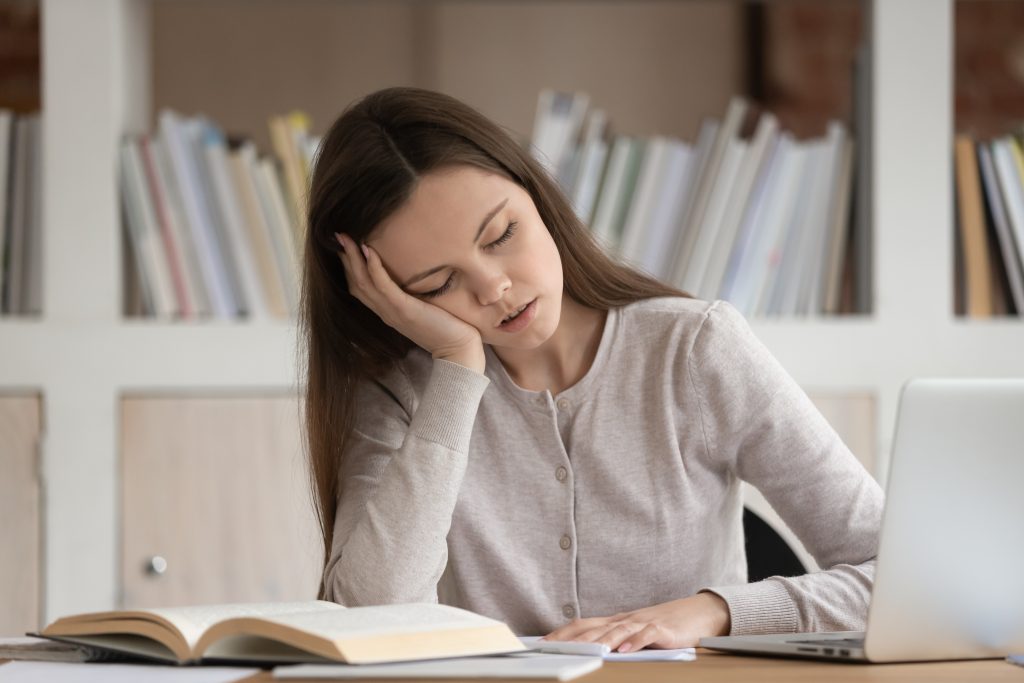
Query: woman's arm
point(400, 479)
point(761, 425)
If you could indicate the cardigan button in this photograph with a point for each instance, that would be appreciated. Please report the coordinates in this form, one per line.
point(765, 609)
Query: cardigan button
point(563, 404)
point(561, 473)
point(565, 543)
point(568, 611)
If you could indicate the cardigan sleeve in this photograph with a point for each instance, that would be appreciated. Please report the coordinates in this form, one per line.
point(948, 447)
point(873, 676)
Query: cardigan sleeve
point(760, 425)
point(399, 482)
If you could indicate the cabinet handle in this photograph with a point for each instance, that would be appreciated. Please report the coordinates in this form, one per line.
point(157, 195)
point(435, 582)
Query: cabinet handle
point(156, 566)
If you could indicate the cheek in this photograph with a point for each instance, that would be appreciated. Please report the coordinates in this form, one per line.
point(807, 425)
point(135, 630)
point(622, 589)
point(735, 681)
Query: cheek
point(551, 261)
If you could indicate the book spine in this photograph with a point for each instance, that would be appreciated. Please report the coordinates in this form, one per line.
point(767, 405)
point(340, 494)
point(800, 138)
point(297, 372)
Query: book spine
point(978, 270)
point(1012, 252)
point(215, 152)
point(172, 249)
point(207, 248)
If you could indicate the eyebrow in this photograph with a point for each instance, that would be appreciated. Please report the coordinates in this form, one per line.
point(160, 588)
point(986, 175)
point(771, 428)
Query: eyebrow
point(483, 224)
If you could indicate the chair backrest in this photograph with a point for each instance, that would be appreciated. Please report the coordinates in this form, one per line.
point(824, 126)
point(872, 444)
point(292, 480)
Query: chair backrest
point(768, 554)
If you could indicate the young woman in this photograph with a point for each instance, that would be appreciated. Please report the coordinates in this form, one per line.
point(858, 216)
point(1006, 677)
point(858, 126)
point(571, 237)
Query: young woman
point(503, 418)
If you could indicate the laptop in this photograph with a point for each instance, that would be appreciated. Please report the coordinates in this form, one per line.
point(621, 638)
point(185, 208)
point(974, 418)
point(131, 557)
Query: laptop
point(949, 581)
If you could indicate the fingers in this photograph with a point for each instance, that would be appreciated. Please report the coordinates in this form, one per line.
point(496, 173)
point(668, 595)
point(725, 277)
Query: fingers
point(370, 282)
point(355, 268)
point(575, 628)
point(614, 637)
point(648, 635)
point(619, 633)
point(381, 278)
point(357, 273)
point(610, 631)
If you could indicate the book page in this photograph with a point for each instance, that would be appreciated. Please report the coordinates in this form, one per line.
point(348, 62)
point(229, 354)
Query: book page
point(361, 622)
point(193, 621)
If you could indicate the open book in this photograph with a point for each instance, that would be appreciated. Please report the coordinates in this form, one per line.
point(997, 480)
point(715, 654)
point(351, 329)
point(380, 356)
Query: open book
point(288, 633)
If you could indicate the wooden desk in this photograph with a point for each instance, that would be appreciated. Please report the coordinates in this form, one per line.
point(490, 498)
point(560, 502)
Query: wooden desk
point(712, 666)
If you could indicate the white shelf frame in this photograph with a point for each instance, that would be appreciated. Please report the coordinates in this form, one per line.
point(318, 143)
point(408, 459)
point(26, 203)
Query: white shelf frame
point(82, 356)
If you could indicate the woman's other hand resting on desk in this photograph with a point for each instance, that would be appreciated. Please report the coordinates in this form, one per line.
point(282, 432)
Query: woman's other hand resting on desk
point(430, 327)
point(670, 625)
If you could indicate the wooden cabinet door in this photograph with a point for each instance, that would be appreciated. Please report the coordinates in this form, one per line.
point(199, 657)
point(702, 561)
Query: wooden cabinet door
point(20, 542)
point(215, 502)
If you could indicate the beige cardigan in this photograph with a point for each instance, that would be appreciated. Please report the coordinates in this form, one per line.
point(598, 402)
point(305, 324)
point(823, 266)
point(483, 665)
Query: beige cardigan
point(620, 492)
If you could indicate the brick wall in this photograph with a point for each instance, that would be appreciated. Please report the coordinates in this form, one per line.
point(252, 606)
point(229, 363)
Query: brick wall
point(807, 47)
point(806, 61)
point(800, 61)
point(19, 55)
point(989, 66)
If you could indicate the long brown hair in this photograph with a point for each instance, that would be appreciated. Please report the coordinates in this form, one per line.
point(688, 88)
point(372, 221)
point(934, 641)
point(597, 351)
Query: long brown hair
point(368, 165)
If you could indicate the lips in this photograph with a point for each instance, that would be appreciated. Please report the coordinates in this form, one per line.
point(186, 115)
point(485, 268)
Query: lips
point(511, 315)
point(514, 312)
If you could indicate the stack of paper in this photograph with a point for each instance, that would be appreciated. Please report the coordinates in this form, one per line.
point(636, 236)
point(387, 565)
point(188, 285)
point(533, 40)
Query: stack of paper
point(525, 665)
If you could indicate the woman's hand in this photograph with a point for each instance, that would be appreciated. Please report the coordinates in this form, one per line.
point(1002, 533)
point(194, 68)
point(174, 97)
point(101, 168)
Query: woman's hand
point(670, 625)
point(431, 328)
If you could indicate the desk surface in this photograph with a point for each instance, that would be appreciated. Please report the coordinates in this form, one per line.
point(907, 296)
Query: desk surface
point(712, 666)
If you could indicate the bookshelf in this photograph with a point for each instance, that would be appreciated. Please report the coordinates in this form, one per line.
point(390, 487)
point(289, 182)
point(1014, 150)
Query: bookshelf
point(82, 356)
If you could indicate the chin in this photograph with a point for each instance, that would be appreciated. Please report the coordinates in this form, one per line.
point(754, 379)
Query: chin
point(539, 332)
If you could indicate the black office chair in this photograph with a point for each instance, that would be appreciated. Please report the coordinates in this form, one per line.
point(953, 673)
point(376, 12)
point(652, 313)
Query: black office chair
point(768, 554)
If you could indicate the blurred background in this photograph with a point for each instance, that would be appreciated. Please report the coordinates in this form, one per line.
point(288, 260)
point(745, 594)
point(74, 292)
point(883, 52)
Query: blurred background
point(150, 432)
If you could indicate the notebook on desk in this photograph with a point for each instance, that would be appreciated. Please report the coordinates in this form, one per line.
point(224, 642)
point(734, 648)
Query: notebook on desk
point(949, 581)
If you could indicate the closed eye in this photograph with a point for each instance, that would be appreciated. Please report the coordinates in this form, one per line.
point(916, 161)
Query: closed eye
point(505, 237)
point(439, 291)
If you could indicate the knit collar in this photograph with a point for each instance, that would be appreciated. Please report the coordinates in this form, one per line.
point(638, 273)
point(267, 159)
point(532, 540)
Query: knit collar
point(536, 399)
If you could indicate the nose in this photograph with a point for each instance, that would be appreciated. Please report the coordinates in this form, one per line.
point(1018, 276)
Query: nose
point(492, 289)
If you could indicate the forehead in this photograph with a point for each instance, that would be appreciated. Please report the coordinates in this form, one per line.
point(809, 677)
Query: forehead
point(447, 201)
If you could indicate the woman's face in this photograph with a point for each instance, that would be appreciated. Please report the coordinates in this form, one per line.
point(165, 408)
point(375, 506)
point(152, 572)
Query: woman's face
point(471, 242)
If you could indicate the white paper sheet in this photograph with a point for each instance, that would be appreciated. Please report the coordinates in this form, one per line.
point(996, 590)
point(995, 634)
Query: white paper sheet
point(686, 654)
point(60, 672)
point(524, 666)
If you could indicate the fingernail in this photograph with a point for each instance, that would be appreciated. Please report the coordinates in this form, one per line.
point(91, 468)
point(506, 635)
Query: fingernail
point(337, 236)
point(625, 647)
point(366, 252)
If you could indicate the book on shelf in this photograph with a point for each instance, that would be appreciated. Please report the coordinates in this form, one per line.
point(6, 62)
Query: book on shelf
point(155, 281)
point(995, 211)
point(229, 200)
point(669, 204)
point(838, 231)
point(213, 227)
point(171, 211)
point(989, 229)
point(6, 128)
point(751, 165)
point(694, 218)
point(654, 210)
point(977, 268)
point(752, 239)
point(20, 214)
point(310, 632)
point(557, 126)
point(745, 212)
point(614, 196)
point(723, 192)
point(273, 271)
point(286, 134)
point(593, 154)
